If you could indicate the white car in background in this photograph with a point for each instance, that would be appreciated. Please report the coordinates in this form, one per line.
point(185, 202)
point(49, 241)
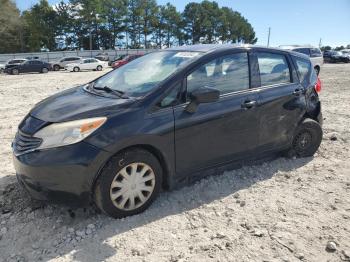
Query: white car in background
point(86, 64)
point(314, 53)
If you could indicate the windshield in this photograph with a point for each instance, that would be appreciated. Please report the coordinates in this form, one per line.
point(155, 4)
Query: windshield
point(142, 75)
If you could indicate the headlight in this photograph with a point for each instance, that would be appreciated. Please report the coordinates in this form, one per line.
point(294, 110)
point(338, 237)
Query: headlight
point(68, 133)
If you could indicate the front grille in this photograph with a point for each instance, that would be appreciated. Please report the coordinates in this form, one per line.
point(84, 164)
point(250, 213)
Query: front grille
point(24, 142)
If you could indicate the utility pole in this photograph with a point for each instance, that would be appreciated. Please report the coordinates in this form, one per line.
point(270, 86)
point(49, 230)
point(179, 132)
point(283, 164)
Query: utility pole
point(268, 38)
point(320, 43)
point(90, 42)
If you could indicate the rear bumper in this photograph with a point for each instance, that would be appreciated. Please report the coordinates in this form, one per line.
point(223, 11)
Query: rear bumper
point(62, 175)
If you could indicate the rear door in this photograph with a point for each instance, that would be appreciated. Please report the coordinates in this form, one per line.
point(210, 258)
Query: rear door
point(27, 66)
point(36, 66)
point(221, 131)
point(282, 101)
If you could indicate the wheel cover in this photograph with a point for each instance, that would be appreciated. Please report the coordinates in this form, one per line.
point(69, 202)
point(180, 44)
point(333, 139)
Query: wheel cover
point(132, 186)
point(303, 141)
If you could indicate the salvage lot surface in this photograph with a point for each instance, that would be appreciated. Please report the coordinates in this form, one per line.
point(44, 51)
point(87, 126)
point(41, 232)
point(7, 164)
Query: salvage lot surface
point(284, 210)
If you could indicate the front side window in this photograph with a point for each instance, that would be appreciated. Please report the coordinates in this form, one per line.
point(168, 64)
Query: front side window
point(171, 98)
point(142, 75)
point(227, 74)
point(273, 68)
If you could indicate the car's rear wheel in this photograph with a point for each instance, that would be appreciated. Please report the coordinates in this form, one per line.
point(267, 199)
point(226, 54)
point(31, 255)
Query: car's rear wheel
point(128, 184)
point(99, 68)
point(76, 69)
point(15, 71)
point(56, 68)
point(307, 139)
point(44, 70)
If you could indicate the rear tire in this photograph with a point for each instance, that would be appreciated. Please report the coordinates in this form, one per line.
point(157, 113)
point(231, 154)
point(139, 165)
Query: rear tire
point(76, 69)
point(44, 70)
point(306, 140)
point(124, 188)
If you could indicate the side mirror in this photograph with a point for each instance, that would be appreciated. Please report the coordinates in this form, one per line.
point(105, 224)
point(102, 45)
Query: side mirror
point(202, 95)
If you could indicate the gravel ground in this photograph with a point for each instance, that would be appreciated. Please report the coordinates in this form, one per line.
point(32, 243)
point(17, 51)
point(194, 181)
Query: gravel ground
point(283, 210)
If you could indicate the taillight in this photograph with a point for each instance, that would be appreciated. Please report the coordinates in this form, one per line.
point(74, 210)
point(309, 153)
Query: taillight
point(318, 86)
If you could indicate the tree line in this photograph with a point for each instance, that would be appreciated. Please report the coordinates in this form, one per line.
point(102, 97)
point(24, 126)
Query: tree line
point(338, 48)
point(110, 24)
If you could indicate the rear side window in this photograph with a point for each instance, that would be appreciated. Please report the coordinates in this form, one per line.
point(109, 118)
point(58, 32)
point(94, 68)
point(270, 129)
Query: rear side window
point(304, 68)
point(227, 74)
point(274, 69)
point(315, 52)
point(305, 51)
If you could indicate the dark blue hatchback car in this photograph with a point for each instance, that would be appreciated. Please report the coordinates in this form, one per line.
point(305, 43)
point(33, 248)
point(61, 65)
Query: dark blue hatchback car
point(165, 119)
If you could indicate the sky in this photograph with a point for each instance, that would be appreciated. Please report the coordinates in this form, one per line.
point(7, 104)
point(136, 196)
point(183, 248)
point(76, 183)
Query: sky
point(291, 21)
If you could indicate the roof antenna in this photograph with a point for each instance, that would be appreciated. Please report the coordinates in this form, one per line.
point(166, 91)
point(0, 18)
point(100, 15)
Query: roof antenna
point(268, 38)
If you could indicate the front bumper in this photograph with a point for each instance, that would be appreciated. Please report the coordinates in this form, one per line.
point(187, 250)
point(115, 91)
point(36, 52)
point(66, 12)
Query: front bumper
point(61, 175)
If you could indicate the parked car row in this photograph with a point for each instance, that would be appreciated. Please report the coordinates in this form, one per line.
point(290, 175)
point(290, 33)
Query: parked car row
point(72, 64)
point(336, 56)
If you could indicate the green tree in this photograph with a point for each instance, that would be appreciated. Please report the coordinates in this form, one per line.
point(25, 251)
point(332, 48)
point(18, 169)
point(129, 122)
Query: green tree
point(11, 27)
point(172, 23)
point(114, 13)
point(192, 20)
point(148, 10)
point(326, 48)
point(87, 17)
point(40, 27)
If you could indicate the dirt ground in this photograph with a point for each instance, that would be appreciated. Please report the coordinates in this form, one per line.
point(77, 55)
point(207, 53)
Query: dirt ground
point(284, 210)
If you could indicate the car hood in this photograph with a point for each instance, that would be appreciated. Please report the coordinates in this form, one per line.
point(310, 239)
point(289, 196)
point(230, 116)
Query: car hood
point(77, 103)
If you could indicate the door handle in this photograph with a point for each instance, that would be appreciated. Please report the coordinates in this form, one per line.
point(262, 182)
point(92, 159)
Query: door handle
point(298, 92)
point(249, 104)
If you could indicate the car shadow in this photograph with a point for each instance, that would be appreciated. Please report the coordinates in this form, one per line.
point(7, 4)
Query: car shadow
point(95, 247)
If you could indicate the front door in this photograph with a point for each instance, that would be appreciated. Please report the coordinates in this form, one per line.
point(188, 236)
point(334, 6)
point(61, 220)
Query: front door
point(221, 131)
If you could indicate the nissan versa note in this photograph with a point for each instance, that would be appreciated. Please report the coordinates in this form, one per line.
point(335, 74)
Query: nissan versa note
point(164, 120)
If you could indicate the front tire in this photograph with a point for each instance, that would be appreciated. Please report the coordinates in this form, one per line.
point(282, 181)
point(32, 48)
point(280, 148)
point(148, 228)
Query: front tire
point(56, 68)
point(128, 184)
point(307, 139)
point(44, 70)
point(76, 69)
point(15, 71)
point(99, 68)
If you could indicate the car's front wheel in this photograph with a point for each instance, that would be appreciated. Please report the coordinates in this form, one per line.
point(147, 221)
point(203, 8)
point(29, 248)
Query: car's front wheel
point(128, 184)
point(44, 70)
point(15, 71)
point(99, 68)
point(76, 69)
point(307, 139)
point(56, 68)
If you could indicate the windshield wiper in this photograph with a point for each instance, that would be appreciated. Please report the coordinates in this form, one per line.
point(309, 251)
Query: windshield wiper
point(107, 89)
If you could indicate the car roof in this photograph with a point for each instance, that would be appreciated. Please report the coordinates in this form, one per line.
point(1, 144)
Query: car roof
point(213, 47)
point(206, 48)
point(290, 47)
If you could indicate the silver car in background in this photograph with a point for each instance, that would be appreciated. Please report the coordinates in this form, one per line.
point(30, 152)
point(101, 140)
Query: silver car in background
point(314, 53)
point(60, 64)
